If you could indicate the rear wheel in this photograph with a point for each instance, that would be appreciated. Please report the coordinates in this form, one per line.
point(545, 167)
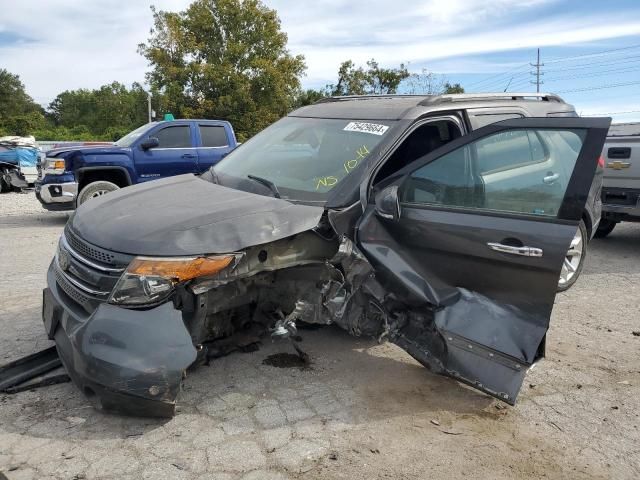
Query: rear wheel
point(574, 259)
point(605, 228)
point(96, 189)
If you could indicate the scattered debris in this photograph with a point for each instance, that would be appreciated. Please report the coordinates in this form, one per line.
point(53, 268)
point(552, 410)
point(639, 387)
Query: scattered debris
point(45, 382)
point(435, 422)
point(625, 382)
point(27, 368)
point(614, 407)
point(556, 425)
point(333, 456)
point(178, 466)
point(636, 333)
point(578, 386)
point(500, 406)
point(374, 450)
point(532, 385)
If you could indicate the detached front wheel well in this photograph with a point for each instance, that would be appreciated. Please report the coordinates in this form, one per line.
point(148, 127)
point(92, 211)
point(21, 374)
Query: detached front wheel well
point(116, 176)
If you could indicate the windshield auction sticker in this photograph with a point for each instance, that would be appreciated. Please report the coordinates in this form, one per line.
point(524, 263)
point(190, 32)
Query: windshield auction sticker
point(373, 128)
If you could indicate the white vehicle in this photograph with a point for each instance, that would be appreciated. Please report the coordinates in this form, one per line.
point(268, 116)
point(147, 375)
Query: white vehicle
point(621, 184)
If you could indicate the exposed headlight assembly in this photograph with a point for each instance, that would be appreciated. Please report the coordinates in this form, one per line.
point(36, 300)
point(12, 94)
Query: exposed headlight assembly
point(149, 280)
point(53, 166)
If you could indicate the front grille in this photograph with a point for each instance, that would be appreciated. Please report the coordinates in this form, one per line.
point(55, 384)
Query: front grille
point(86, 273)
point(87, 250)
point(72, 292)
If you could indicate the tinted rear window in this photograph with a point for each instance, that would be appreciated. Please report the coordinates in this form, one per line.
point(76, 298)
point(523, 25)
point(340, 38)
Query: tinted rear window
point(213, 136)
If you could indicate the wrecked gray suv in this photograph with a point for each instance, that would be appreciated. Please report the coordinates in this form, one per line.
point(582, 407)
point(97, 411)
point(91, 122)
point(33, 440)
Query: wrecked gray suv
point(402, 218)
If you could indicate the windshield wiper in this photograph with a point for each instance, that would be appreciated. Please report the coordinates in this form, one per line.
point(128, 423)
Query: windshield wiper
point(267, 183)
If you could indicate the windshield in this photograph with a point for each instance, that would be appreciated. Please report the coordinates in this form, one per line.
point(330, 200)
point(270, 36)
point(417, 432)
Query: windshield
point(131, 137)
point(303, 157)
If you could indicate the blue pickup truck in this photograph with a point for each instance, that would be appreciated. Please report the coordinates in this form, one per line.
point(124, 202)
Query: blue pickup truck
point(70, 176)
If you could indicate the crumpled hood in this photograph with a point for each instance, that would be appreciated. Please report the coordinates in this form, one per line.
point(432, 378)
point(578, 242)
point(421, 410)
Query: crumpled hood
point(185, 215)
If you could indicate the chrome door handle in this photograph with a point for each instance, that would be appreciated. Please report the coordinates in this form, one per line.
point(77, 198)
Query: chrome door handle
point(524, 251)
point(549, 179)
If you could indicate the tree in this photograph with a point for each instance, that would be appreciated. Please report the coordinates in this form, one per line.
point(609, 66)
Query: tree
point(112, 106)
point(309, 96)
point(18, 112)
point(429, 83)
point(375, 80)
point(223, 59)
point(455, 88)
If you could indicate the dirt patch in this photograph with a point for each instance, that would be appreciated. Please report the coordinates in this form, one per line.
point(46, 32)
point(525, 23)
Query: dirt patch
point(286, 360)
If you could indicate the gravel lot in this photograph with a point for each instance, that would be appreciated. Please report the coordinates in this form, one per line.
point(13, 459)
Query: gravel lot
point(362, 411)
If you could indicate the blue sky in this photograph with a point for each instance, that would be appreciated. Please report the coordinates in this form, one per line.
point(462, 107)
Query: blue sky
point(591, 49)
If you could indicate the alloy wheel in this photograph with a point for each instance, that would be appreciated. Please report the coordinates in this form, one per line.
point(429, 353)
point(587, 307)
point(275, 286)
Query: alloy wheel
point(572, 259)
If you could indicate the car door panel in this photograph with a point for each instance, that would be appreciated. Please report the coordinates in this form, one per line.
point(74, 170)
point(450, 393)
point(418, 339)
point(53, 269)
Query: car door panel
point(493, 327)
point(170, 159)
point(214, 145)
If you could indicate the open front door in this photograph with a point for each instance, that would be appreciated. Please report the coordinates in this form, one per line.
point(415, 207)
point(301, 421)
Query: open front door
point(472, 238)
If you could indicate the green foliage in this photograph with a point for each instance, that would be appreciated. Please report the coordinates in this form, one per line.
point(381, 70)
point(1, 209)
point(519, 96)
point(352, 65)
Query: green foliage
point(455, 88)
point(223, 59)
point(308, 97)
point(101, 110)
point(18, 112)
point(375, 80)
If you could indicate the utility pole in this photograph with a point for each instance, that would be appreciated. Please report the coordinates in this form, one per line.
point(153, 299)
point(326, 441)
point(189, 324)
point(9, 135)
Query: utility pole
point(537, 73)
point(149, 106)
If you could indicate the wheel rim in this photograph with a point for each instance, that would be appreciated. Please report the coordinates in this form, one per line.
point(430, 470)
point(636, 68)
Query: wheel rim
point(572, 259)
point(99, 193)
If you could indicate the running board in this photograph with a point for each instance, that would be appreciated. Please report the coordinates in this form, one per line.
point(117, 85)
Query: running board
point(28, 367)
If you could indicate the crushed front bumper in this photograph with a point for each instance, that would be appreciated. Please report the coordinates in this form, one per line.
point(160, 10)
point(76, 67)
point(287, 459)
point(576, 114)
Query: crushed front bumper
point(57, 196)
point(130, 361)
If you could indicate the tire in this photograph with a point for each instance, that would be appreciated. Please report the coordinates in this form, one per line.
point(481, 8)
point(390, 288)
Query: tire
point(574, 259)
point(605, 228)
point(96, 189)
point(4, 185)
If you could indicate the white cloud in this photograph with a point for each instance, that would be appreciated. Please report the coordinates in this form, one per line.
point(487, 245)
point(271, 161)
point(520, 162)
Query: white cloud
point(76, 43)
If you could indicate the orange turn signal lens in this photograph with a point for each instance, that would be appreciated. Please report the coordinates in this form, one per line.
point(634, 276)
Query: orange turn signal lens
point(58, 165)
point(180, 269)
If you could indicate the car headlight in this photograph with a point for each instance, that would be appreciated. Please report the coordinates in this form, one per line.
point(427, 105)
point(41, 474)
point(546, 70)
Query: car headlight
point(54, 166)
point(149, 280)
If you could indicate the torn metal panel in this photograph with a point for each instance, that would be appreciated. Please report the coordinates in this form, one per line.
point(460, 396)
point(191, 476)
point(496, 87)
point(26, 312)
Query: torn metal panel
point(26, 368)
point(205, 218)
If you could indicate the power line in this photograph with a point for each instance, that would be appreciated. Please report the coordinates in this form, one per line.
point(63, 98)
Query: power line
point(610, 113)
point(600, 87)
point(505, 73)
point(629, 69)
point(563, 59)
point(629, 59)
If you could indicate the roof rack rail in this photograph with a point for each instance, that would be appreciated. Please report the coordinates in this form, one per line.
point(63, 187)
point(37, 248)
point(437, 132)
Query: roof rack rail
point(342, 98)
point(462, 97)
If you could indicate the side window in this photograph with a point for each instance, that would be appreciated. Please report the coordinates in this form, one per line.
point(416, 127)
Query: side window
point(518, 171)
point(479, 120)
point(213, 136)
point(174, 137)
point(509, 150)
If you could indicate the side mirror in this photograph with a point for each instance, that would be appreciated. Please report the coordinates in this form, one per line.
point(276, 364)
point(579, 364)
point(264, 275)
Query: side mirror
point(151, 142)
point(387, 203)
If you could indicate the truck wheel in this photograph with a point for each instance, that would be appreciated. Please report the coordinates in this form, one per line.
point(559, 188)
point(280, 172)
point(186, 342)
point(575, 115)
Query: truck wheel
point(605, 228)
point(5, 186)
point(574, 259)
point(96, 189)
